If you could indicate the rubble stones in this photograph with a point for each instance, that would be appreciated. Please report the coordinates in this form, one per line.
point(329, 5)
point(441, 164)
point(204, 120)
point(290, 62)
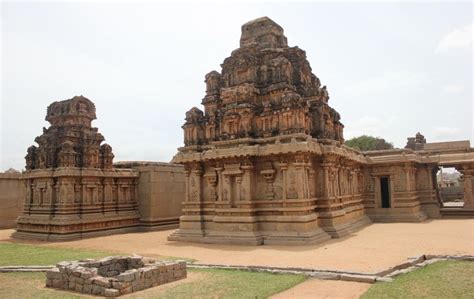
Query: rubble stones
point(114, 276)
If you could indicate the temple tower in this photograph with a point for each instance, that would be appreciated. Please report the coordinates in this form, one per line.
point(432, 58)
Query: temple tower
point(265, 160)
point(72, 189)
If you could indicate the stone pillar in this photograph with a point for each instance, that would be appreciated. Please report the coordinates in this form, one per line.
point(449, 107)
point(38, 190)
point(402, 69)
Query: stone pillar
point(196, 187)
point(467, 177)
point(187, 185)
point(268, 174)
point(247, 181)
point(28, 195)
point(468, 196)
point(212, 182)
point(108, 191)
point(284, 167)
point(351, 182)
point(227, 189)
point(238, 191)
point(326, 182)
point(300, 169)
point(407, 178)
point(306, 168)
point(220, 181)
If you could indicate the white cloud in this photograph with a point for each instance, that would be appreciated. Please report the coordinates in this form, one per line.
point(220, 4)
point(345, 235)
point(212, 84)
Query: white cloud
point(366, 125)
point(385, 82)
point(457, 39)
point(453, 88)
point(446, 133)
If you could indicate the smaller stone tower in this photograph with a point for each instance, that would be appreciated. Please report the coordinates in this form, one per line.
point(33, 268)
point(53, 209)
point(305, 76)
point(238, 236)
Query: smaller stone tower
point(72, 189)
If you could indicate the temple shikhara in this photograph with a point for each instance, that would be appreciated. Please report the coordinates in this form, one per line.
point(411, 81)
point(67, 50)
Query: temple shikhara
point(72, 188)
point(265, 161)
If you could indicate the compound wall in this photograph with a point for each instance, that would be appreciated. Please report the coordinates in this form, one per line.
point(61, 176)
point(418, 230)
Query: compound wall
point(11, 199)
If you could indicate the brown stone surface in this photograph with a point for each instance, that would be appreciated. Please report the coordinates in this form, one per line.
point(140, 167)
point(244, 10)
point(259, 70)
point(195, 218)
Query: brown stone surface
point(161, 189)
point(72, 190)
point(12, 197)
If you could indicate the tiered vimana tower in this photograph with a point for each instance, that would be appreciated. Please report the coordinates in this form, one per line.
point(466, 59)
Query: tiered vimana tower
point(265, 161)
point(72, 190)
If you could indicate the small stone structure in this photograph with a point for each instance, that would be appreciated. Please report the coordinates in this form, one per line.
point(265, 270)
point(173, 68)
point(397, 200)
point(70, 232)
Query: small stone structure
point(114, 276)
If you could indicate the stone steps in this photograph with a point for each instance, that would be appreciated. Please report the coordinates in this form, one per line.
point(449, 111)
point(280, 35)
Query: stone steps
point(452, 213)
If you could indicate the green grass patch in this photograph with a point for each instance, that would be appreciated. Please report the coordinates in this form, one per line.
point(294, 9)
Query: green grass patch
point(201, 283)
point(445, 279)
point(205, 283)
point(218, 283)
point(21, 254)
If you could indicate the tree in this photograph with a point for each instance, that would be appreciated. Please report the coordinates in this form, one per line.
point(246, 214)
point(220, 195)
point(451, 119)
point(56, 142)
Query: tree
point(369, 143)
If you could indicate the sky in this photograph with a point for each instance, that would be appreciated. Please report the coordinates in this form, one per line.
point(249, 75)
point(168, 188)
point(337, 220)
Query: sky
point(392, 69)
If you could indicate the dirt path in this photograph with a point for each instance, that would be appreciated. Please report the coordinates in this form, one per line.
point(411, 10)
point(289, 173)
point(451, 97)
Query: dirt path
point(375, 247)
point(316, 289)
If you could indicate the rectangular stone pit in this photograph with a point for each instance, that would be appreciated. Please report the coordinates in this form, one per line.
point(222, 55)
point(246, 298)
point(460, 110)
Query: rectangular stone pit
point(114, 276)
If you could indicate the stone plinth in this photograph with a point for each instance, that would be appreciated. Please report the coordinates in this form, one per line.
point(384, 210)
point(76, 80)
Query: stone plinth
point(114, 276)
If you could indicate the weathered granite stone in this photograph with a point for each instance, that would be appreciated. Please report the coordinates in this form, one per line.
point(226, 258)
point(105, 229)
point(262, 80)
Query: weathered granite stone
point(111, 293)
point(127, 277)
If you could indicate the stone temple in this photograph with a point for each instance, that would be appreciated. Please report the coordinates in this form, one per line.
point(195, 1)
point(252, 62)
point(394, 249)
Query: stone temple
point(72, 188)
point(265, 161)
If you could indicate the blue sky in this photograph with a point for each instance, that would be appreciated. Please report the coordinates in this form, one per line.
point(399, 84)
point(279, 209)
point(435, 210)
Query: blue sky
point(392, 69)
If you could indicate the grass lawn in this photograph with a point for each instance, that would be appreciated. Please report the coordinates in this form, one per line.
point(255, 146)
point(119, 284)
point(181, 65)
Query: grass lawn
point(215, 283)
point(21, 254)
point(201, 283)
point(445, 279)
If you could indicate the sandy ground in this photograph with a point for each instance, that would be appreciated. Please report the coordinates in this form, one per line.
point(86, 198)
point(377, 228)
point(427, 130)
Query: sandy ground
point(318, 289)
point(373, 248)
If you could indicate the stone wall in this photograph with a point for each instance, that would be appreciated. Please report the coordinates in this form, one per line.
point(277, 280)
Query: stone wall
point(12, 192)
point(161, 191)
point(114, 276)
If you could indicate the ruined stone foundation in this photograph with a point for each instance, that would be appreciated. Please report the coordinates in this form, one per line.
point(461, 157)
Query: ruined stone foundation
point(114, 276)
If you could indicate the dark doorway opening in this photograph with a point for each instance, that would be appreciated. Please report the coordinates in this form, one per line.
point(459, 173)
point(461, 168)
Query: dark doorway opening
point(385, 192)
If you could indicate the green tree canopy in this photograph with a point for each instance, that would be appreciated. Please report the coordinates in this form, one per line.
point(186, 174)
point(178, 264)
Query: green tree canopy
point(369, 143)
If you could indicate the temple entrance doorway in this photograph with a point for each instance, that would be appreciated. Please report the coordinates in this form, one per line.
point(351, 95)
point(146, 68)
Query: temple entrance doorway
point(385, 191)
point(450, 186)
